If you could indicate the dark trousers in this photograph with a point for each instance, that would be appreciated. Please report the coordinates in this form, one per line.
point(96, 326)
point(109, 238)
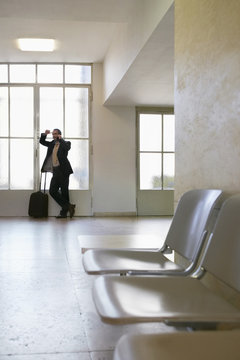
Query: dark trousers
point(59, 189)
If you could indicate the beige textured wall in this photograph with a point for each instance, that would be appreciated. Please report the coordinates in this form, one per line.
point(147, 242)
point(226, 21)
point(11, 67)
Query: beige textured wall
point(207, 94)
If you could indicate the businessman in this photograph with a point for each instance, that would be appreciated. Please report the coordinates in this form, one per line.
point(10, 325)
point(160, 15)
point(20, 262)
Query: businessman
point(56, 161)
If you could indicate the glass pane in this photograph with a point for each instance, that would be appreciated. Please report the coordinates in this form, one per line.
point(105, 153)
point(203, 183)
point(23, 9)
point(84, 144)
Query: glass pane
point(3, 73)
point(51, 108)
point(169, 133)
point(76, 112)
point(42, 155)
point(168, 171)
point(78, 74)
point(150, 132)
point(21, 178)
point(4, 164)
point(150, 171)
point(21, 111)
point(78, 157)
point(22, 73)
point(3, 111)
point(50, 74)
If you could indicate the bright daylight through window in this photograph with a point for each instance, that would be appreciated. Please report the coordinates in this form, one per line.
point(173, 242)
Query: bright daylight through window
point(36, 97)
point(156, 151)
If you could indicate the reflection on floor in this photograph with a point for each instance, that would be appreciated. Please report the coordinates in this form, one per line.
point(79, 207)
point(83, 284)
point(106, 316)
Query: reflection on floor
point(47, 312)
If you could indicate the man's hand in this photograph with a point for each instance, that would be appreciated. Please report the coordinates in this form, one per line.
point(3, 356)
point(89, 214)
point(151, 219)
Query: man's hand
point(47, 132)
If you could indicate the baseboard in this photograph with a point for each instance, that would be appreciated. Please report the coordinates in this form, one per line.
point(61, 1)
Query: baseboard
point(112, 214)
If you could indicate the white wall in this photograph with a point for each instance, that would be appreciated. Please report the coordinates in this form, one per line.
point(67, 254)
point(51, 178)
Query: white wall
point(207, 97)
point(113, 138)
point(130, 39)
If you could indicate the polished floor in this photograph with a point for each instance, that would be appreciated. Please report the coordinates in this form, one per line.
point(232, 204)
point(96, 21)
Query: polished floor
point(47, 312)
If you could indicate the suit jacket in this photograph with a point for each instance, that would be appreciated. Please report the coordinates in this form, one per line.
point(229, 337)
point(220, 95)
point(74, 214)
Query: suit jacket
point(62, 154)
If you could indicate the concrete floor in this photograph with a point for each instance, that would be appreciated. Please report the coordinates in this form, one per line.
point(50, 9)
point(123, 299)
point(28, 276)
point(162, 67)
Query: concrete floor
point(47, 312)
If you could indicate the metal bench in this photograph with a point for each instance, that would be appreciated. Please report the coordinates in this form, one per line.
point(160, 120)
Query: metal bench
point(186, 237)
point(175, 300)
point(207, 345)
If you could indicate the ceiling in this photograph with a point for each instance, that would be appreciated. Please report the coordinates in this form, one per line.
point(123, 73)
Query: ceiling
point(84, 30)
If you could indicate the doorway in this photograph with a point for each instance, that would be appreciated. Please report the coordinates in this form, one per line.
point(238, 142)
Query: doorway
point(155, 161)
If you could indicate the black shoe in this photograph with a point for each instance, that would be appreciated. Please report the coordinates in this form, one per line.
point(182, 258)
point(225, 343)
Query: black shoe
point(61, 216)
point(71, 210)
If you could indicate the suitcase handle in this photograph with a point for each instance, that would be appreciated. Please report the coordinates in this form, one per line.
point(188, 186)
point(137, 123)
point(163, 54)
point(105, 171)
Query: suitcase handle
point(44, 190)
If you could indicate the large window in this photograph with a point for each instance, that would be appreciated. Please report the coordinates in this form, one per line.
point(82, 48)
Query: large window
point(156, 150)
point(36, 97)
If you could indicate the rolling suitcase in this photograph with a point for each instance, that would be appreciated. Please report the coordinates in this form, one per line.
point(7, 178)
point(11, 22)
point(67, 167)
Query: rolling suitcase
point(38, 203)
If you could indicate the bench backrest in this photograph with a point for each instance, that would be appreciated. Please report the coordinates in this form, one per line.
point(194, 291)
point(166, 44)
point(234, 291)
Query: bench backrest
point(191, 220)
point(222, 257)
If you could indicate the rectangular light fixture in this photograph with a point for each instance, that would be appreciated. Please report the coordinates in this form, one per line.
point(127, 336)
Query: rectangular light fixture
point(36, 44)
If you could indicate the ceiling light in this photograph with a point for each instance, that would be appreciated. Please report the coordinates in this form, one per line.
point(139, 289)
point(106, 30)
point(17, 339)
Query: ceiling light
point(36, 44)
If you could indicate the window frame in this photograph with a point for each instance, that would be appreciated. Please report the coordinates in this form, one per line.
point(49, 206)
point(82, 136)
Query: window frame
point(36, 130)
point(152, 111)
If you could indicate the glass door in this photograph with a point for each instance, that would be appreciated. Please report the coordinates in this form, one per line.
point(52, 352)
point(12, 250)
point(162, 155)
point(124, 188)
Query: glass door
point(155, 162)
point(67, 108)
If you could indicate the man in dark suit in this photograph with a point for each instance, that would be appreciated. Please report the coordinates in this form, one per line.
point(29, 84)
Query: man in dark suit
point(56, 161)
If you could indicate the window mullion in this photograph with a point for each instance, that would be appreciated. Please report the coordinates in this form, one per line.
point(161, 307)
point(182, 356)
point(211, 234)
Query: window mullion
point(64, 112)
point(36, 135)
point(9, 148)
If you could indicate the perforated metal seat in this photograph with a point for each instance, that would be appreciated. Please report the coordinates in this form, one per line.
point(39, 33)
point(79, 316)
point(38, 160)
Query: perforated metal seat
point(186, 235)
point(176, 300)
